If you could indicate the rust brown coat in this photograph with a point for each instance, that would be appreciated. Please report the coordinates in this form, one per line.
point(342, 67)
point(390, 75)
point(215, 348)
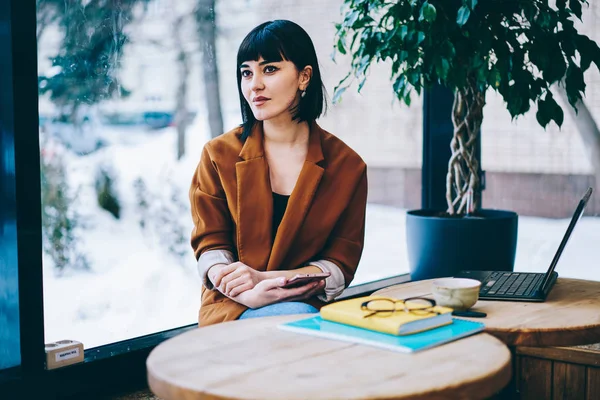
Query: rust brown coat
point(232, 209)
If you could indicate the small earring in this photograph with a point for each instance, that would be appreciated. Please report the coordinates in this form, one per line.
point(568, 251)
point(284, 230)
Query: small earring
point(303, 93)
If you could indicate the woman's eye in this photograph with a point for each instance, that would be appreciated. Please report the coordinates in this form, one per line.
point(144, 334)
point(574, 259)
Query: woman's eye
point(269, 69)
point(245, 73)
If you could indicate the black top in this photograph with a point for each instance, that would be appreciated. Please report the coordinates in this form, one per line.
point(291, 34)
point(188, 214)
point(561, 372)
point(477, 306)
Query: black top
point(280, 202)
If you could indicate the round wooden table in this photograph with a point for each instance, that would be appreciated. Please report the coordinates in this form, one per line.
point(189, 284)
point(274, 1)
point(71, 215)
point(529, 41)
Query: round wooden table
point(569, 316)
point(253, 359)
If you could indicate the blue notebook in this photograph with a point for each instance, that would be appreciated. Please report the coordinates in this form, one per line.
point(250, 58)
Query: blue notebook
point(317, 326)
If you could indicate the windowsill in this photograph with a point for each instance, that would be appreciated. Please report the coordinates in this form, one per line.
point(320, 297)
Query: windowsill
point(132, 345)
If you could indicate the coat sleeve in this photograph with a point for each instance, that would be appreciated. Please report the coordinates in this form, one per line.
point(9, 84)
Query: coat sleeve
point(345, 245)
point(212, 234)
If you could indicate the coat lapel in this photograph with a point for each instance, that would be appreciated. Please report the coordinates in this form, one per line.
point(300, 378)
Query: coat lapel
point(300, 200)
point(254, 203)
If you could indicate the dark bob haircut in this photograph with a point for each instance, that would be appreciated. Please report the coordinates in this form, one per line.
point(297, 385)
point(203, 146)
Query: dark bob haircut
point(283, 40)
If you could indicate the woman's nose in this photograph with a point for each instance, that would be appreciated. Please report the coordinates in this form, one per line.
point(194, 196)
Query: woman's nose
point(257, 82)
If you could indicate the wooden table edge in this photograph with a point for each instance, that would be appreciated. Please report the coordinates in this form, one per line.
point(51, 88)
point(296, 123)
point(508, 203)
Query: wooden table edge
point(164, 390)
point(546, 337)
point(503, 375)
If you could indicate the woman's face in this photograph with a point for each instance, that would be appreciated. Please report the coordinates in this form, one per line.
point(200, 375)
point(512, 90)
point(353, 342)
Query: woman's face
point(272, 88)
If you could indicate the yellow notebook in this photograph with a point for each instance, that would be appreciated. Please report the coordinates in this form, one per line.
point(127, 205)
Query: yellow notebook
point(398, 323)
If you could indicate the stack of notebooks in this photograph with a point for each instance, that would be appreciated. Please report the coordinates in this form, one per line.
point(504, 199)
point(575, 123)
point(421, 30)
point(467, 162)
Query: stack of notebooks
point(401, 331)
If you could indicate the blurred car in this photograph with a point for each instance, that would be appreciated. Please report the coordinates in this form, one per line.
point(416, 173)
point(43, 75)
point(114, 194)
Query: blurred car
point(81, 133)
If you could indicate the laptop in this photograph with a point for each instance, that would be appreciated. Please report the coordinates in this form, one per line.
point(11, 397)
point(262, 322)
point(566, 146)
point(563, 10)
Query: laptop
point(524, 286)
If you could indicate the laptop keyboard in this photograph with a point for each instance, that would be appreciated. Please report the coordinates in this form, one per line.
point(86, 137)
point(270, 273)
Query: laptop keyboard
point(512, 284)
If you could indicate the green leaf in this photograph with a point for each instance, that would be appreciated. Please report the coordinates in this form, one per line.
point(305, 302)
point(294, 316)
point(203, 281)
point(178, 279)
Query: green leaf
point(575, 6)
point(361, 83)
point(399, 86)
point(538, 54)
point(556, 67)
point(543, 114)
point(337, 93)
point(472, 4)
point(561, 4)
point(588, 51)
point(544, 20)
point(514, 101)
point(463, 15)
point(343, 80)
point(413, 77)
point(365, 62)
point(351, 18)
point(340, 46)
point(548, 110)
point(559, 116)
point(403, 32)
point(428, 13)
point(494, 78)
point(361, 23)
point(574, 83)
point(441, 68)
point(568, 46)
point(448, 49)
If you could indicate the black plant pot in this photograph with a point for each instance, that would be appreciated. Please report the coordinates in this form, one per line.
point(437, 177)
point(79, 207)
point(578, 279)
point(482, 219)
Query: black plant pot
point(442, 246)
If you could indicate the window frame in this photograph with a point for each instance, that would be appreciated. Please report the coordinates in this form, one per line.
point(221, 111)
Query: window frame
point(7, 168)
point(121, 364)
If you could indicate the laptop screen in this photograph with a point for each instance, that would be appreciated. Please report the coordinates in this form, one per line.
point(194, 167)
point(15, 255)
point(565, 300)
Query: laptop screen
point(576, 216)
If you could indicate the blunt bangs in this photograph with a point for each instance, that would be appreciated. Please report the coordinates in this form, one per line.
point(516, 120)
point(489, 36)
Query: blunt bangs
point(261, 43)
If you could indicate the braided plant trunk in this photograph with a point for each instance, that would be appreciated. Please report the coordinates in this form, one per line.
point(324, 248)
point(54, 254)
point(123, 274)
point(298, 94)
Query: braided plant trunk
point(462, 181)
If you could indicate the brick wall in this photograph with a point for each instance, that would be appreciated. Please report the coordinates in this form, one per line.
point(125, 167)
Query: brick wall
point(396, 187)
point(540, 195)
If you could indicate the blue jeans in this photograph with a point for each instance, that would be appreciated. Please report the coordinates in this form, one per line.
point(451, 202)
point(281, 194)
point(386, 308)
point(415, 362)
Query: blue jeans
point(292, 307)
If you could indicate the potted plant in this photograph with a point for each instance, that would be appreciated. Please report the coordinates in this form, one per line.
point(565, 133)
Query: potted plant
point(519, 48)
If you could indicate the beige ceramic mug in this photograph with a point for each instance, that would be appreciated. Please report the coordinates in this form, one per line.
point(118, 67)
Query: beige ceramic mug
point(456, 293)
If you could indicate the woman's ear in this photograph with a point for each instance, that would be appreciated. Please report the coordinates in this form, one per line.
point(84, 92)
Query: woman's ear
point(304, 78)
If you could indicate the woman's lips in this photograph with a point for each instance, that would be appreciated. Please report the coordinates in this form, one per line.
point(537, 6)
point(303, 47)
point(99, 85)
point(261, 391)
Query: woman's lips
point(259, 101)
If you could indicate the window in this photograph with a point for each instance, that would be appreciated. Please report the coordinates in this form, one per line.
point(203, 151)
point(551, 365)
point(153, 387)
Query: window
point(542, 174)
point(116, 170)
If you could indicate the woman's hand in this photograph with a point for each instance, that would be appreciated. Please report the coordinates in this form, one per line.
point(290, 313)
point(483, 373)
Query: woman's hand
point(270, 291)
point(235, 278)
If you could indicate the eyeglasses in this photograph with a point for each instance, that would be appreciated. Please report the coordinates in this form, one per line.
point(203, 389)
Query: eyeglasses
point(384, 307)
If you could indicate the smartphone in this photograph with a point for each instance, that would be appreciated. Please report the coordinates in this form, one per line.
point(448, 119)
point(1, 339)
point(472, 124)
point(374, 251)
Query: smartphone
point(303, 279)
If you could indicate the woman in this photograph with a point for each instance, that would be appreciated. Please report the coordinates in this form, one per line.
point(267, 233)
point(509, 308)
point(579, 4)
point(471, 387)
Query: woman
point(278, 195)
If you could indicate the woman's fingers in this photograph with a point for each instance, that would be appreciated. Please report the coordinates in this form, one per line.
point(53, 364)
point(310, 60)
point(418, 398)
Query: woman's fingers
point(240, 289)
point(232, 284)
point(223, 272)
point(227, 279)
